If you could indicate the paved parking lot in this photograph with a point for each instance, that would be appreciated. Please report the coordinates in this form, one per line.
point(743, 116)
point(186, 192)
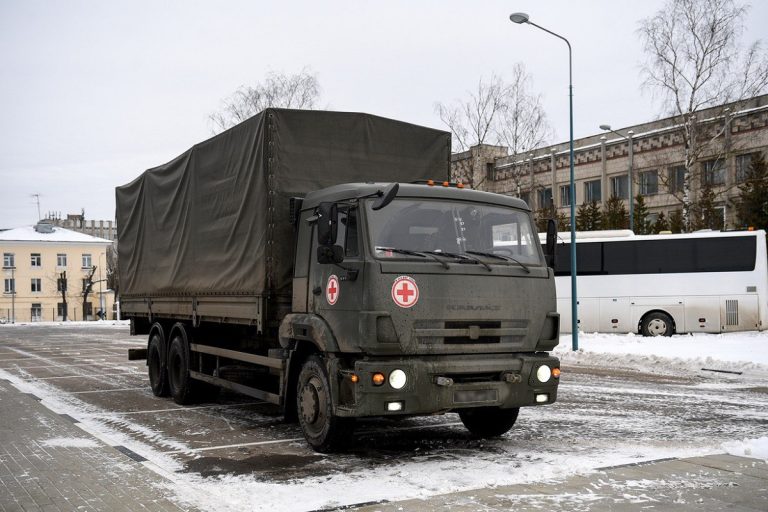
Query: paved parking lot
point(72, 394)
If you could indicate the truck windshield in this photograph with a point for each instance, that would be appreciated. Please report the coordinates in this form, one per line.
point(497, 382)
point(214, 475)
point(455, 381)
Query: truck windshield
point(407, 227)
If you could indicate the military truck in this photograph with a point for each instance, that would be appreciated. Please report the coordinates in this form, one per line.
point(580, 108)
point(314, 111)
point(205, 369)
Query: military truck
point(308, 259)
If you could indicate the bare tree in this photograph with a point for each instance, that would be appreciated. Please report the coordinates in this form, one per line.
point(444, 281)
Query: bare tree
point(498, 112)
point(695, 60)
point(87, 289)
point(300, 90)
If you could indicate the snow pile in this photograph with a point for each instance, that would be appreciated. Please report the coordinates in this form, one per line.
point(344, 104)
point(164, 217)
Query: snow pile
point(70, 323)
point(745, 352)
point(755, 448)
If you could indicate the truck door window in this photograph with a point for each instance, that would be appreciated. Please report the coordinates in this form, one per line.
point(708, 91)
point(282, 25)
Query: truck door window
point(348, 233)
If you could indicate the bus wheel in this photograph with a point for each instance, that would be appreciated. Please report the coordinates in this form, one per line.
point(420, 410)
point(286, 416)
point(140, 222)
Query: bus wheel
point(322, 430)
point(657, 324)
point(488, 421)
point(158, 372)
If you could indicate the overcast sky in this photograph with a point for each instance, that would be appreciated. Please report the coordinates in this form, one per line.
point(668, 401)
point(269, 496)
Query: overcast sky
point(93, 93)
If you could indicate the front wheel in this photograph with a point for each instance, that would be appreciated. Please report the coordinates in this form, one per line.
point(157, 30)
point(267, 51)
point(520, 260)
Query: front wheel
point(657, 324)
point(488, 421)
point(314, 405)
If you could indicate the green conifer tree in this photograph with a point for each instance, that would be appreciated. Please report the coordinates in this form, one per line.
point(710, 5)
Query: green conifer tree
point(752, 203)
point(642, 226)
point(661, 224)
point(676, 222)
point(588, 217)
point(615, 215)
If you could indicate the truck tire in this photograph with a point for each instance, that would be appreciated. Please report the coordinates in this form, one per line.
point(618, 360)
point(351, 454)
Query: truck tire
point(488, 421)
point(657, 323)
point(314, 405)
point(180, 383)
point(156, 367)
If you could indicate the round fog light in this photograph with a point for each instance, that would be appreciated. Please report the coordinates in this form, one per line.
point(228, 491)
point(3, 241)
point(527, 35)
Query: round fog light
point(543, 373)
point(397, 379)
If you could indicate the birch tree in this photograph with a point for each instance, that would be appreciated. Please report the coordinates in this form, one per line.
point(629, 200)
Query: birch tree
point(278, 90)
point(696, 60)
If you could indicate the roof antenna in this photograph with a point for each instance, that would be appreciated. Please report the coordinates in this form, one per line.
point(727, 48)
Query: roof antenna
point(37, 200)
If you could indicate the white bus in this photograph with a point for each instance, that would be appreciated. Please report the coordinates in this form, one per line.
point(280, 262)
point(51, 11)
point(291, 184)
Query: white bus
point(660, 285)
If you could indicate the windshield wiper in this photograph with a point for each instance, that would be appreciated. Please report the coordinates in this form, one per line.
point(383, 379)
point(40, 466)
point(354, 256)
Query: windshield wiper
point(500, 257)
point(462, 257)
point(414, 253)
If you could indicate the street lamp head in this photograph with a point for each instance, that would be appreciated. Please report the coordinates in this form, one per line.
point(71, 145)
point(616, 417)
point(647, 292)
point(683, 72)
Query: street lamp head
point(519, 17)
point(606, 127)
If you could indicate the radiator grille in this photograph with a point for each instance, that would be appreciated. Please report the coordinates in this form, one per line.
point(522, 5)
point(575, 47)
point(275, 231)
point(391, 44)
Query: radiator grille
point(732, 312)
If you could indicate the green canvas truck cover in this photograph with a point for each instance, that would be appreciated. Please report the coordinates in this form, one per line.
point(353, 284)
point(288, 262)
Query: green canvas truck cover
point(215, 220)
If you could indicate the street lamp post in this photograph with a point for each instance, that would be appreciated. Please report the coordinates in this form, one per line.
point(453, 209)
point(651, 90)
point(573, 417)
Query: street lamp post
point(520, 18)
point(101, 294)
point(630, 181)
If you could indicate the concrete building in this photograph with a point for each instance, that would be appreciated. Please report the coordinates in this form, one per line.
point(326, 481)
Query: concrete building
point(77, 222)
point(728, 137)
point(39, 261)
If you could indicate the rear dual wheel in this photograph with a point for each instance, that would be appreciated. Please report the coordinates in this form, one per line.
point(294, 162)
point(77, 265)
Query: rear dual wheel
point(156, 367)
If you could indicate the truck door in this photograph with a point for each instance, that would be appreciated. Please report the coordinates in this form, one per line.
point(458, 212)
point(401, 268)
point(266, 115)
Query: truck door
point(337, 288)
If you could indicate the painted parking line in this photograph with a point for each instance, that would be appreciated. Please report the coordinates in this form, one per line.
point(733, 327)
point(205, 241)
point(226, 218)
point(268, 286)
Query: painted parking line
point(143, 388)
point(93, 376)
point(175, 409)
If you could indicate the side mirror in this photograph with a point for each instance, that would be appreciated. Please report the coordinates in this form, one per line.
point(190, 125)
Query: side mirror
point(386, 197)
point(327, 223)
point(329, 254)
point(549, 251)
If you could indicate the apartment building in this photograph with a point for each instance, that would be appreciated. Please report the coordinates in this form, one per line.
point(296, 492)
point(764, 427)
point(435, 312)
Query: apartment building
point(44, 272)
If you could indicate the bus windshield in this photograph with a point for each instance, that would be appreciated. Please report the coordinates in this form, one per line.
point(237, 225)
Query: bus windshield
point(453, 227)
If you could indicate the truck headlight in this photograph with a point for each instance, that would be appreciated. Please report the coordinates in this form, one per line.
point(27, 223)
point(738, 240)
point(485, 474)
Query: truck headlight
point(397, 379)
point(544, 373)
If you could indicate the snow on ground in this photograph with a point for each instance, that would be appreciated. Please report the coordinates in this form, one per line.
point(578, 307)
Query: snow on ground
point(70, 442)
point(452, 470)
point(738, 351)
point(69, 323)
point(755, 448)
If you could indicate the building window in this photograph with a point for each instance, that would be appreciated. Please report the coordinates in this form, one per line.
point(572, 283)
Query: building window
point(60, 309)
point(489, 171)
point(8, 260)
point(525, 196)
point(35, 260)
point(649, 183)
point(88, 313)
point(545, 197)
point(676, 179)
point(742, 167)
point(565, 195)
point(85, 284)
point(713, 172)
point(36, 312)
point(86, 261)
point(592, 191)
point(620, 187)
point(37, 285)
point(61, 260)
point(61, 285)
point(10, 286)
point(720, 222)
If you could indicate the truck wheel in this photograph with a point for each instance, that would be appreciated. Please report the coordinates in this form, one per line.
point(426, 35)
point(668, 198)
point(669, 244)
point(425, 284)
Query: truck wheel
point(657, 324)
point(158, 372)
point(488, 421)
point(314, 405)
point(180, 383)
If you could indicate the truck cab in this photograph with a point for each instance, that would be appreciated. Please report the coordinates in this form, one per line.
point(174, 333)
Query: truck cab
point(414, 299)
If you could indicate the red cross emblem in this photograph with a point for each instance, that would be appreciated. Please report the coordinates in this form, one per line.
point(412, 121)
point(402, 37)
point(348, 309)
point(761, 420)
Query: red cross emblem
point(332, 290)
point(405, 292)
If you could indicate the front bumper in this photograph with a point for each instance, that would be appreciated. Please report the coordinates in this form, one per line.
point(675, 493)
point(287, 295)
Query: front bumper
point(443, 383)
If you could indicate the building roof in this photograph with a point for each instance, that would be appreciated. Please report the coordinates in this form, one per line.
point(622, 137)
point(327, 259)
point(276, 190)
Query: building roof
point(57, 235)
